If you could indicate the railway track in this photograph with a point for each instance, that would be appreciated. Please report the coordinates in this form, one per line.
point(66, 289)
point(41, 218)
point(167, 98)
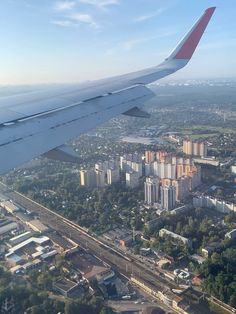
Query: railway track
point(124, 264)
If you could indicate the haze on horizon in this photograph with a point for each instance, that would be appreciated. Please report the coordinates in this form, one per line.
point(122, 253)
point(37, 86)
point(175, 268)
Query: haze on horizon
point(64, 41)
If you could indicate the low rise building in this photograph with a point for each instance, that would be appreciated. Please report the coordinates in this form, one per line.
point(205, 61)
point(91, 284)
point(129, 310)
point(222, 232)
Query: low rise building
point(20, 238)
point(179, 210)
point(68, 288)
point(105, 275)
point(8, 228)
point(37, 225)
point(14, 259)
point(33, 240)
point(211, 248)
point(214, 203)
point(164, 232)
point(231, 234)
point(9, 206)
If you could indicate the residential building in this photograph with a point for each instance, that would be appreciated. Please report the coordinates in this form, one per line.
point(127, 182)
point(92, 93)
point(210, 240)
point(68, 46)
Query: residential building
point(132, 179)
point(150, 156)
point(113, 176)
point(210, 202)
point(182, 187)
point(87, 178)
point(138, 167)
point(151, 190)
point(164, 232)
point(100, 178)
point(195, 148)
point(148, 168)
point(168, 197)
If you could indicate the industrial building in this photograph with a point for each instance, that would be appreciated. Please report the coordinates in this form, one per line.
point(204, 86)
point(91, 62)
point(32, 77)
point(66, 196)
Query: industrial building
point(9, 206)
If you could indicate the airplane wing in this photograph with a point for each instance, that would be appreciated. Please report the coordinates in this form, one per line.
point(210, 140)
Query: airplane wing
point(35, 123)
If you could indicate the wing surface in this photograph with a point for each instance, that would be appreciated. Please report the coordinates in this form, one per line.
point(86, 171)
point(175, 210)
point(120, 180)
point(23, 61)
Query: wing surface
point(34, 123)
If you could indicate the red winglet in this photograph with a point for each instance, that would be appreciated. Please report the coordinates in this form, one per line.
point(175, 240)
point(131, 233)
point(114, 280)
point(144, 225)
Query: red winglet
point(192, 39)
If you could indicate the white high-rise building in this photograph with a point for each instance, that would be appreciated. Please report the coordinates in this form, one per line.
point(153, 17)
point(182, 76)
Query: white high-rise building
point(113, 175)
point(168, 197)
point(132, 179)
point(87, 178)
point(148, 169)
point(162, 171)
point(137, 167)
point(102, 166)
point(156, 168)
point(170, 171)
point(100, 178)
point(151, 190)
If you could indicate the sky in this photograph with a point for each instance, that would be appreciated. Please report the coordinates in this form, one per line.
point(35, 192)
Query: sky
point(63, 41)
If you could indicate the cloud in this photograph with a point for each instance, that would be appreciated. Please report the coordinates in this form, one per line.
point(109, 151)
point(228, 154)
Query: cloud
point(68, 17)
point(64, 5)
point(83, 18)
point(62, 23)
point(149, 16)
point(100, 3)
point(130, 44)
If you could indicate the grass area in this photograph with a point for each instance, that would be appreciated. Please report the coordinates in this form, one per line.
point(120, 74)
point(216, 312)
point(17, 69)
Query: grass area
point(203, 135)
point(202, 131)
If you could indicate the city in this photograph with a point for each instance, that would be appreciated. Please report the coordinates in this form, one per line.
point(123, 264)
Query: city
point(117, 157)
point(139, 230)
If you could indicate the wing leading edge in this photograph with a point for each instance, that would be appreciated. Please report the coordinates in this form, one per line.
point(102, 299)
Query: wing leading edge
point(35, 123)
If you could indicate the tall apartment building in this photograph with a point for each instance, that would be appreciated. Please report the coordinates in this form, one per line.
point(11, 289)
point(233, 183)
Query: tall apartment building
point(195, 177)
point(195, 148)
point(137, 167)
point(182, 187)
point(150, 156)
point(163, 156)
point(148, 169)
point(164, 170)
point(113, 176)
point(88, 178)
point(151, 190)
point(132, 179)
point(130, 163)
point(168, 197)
point(100, 178)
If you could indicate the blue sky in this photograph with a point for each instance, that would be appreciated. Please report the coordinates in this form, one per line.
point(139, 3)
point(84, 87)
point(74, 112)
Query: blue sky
point(45, 41)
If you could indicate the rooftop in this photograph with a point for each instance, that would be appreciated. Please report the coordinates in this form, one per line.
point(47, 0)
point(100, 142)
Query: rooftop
point(35, 240)
point(65, 284)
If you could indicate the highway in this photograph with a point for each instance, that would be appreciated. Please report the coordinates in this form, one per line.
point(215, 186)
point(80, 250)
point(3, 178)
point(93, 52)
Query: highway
point(126, 265)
